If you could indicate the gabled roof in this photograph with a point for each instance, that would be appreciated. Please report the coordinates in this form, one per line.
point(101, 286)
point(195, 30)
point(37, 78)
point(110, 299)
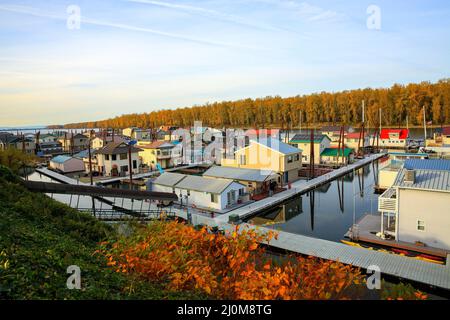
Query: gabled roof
point(157, 145)
point(75, 136)
point(84, 154)
point(434, 180)
point(277, 145)
point(195, 183)
point(446, 131)
point(169, 179)
point(427, 164)
point(306, 138)
point(334, 152)
point(239, 174)
point(354, 135)
point(117, 148)
point(403, 133)
point(61, 159)
point(210, 185)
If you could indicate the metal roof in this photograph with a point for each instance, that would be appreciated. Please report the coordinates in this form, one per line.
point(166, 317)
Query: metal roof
point(61, 159)
point(435, 180)
point(211, 185)
point(169, 179)
point(117, 148)
point(306, 138)
point(333, 152)
point(277, 145)
point(239, 174)
point(427, 164)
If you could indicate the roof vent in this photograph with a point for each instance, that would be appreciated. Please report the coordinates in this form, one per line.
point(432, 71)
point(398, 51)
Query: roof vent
point(410, 176)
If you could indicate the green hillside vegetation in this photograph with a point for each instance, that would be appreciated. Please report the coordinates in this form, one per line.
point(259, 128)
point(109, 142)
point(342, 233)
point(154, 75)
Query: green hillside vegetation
point(40, 238)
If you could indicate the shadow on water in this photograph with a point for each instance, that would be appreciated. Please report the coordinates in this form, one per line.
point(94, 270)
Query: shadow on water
point(328, 211)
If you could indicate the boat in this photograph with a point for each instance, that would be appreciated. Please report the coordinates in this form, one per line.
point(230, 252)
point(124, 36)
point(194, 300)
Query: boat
point(399, 252)
point(428, 260)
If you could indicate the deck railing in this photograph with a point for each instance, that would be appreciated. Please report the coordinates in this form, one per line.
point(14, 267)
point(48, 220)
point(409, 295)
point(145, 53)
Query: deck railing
point(387, 202)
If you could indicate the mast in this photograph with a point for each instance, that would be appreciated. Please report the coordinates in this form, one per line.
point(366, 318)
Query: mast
point(380, 120)
point(424, 128)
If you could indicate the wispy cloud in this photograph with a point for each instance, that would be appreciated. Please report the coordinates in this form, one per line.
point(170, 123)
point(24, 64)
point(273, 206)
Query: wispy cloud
point(305, 10)
point(209, 13)
point(84, 20)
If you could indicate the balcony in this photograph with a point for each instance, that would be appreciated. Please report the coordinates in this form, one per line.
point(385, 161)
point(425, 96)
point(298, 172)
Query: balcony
point(164, 155)
point(387, 202)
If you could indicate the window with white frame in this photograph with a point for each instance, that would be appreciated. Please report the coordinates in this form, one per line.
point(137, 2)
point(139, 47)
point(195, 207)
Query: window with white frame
point(420, 225)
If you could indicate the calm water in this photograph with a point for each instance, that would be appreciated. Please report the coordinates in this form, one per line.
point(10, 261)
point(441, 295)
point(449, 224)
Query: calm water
point(324, 213)
point(82, 202)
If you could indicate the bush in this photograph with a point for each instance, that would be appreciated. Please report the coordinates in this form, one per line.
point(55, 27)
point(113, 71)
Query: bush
point(40, 238)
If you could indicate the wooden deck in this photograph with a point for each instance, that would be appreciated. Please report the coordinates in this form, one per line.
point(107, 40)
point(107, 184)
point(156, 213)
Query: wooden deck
point(370, 223)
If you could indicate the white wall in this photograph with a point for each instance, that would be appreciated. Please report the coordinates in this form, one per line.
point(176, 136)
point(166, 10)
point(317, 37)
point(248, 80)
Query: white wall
point(203, 199)
point(431, 207)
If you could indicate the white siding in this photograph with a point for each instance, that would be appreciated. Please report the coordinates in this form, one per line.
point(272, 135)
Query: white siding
point(430, 207)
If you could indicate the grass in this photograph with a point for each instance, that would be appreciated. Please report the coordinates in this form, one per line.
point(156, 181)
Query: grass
point(40, 238)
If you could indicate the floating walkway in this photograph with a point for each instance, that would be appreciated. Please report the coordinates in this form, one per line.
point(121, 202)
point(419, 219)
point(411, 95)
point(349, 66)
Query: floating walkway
point(298, 187)
point(423, 272)
point(390, 264)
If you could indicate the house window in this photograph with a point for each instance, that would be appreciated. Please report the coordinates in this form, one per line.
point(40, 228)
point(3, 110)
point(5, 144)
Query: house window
point(114, 157)
point(214, 198)
point(134, 164)
point(241, 192)
point(420, 225)
point(123, 156)
point(290, 160)
point(106, 156)
point(297, 157)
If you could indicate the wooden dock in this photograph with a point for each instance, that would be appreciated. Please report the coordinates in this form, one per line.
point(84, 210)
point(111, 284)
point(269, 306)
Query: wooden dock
point(411, 269)
point(370, 224)
point(299, 187)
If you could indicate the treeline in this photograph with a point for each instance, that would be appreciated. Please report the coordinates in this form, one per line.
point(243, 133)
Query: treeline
point(397, 104)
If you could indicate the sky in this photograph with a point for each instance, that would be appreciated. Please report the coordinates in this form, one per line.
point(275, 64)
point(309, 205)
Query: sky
point(133, 56)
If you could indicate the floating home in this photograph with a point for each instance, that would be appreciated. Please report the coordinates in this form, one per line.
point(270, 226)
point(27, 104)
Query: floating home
point(210, 194)
point(303, 142)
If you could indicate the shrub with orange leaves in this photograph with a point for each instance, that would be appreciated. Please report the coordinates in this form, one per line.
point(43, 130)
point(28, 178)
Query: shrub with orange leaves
point(226, 266)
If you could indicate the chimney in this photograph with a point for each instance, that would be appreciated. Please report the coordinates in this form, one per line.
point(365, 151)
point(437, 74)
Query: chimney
point(410, 176)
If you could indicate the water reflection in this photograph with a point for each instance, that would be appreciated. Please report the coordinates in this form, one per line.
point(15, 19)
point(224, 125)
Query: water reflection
point(279, 215)
point(329, 211)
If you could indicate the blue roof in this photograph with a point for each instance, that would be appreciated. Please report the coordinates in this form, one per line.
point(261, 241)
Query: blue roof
point(427, 164)
point(61, 159)
point(83, 154)
point(278, 145)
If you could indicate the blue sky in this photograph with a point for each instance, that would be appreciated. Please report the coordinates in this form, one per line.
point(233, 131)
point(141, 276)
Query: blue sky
point(144, 55)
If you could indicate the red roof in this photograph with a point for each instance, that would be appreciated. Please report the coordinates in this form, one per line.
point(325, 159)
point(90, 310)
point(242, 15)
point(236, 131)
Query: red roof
point(446, 131)
point(403, 133)
point(353, 135)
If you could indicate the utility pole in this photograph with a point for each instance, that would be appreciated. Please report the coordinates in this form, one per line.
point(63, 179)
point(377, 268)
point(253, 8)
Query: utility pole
point(311, 156)
point(130, 167)
point(90, 159)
